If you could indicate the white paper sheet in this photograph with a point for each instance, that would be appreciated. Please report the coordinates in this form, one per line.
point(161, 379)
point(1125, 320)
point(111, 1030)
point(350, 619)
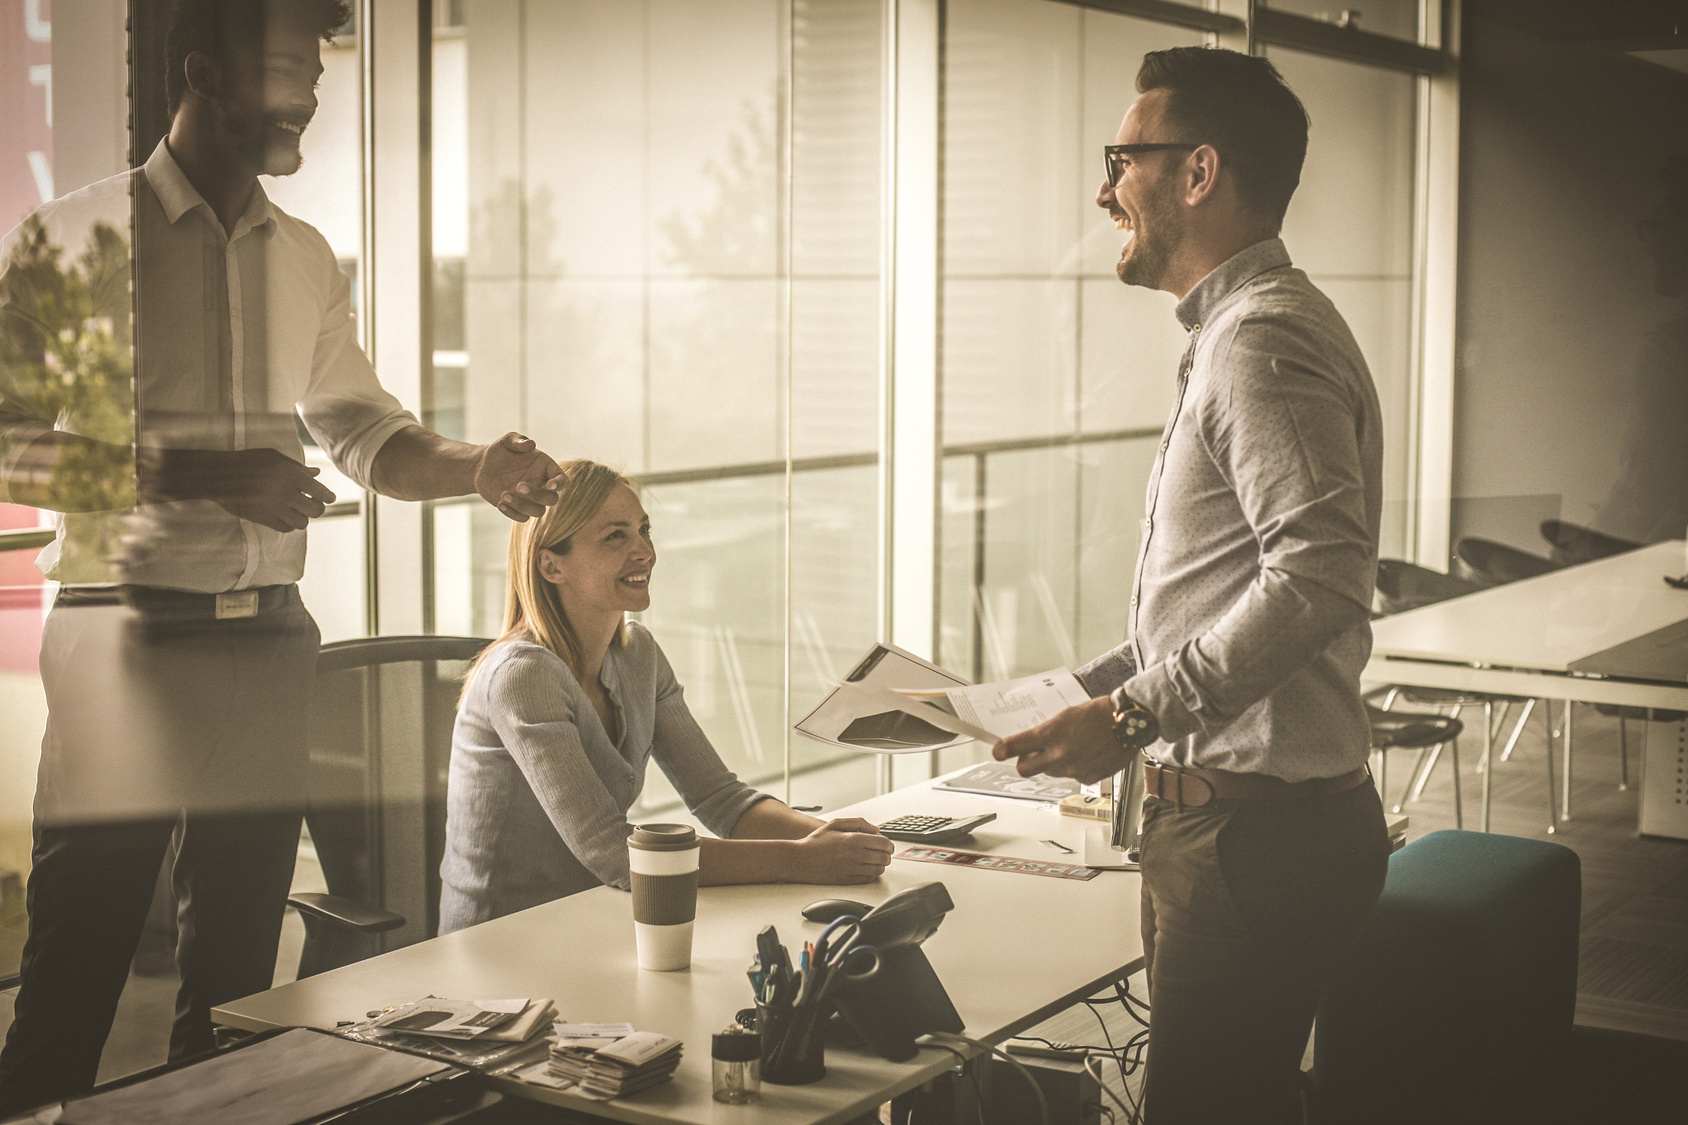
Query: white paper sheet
point(851, 722)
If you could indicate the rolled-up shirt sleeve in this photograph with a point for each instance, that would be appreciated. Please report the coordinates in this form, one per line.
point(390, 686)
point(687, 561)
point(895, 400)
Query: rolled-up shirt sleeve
point(713, 792)
point(346, 409)
point(1108, 671)
point(1283, 435)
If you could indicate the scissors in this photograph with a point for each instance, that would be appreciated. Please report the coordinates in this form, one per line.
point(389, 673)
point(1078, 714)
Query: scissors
point(830, 967)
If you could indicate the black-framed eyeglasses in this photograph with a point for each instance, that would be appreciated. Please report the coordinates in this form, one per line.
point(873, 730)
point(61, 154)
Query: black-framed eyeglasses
point(1117, 156)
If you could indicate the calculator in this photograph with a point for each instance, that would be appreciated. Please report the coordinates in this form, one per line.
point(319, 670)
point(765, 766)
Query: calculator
point(933, 829)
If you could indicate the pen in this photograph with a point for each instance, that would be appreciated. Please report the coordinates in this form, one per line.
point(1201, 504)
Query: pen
point(1057, 845)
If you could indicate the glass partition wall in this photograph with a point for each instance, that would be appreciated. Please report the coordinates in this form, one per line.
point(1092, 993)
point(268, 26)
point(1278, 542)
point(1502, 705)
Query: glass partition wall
point(660, 249)
point(660, 233)
point(657, 233)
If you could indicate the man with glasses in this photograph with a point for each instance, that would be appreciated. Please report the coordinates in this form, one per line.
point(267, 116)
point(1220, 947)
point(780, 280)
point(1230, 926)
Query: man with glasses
point(1263, 841)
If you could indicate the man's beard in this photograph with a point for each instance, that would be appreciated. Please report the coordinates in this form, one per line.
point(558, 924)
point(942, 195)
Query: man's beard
point(1154, 240)
point(255, 140)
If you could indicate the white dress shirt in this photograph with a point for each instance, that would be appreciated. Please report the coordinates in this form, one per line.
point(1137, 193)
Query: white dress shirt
point(237, 335)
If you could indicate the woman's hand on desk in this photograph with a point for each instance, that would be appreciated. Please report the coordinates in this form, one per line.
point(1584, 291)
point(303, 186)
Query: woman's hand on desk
point(846, 850)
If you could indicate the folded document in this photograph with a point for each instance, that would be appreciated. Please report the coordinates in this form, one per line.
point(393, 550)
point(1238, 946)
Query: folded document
point(893, 702)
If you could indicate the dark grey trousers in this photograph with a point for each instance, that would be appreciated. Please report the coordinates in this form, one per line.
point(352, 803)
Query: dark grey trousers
point(157, 728)
point(1248, 907)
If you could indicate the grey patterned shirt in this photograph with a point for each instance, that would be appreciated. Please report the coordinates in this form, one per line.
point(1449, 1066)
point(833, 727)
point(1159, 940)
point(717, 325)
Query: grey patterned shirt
point(1250, 611)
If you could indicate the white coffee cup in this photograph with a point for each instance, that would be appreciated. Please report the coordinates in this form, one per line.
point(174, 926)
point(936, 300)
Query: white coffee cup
point(663, 861)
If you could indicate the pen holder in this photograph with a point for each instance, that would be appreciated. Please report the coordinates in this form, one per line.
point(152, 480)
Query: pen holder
point(793, 1042)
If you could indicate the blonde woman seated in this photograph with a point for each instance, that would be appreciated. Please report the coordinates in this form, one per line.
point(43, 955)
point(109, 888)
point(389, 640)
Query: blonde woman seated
point(562, 713)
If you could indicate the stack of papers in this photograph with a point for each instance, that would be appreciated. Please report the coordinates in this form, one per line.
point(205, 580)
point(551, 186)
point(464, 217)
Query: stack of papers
point(1002, 779)
point(500, 1021)
point(489, 1035)
point(609, 1065)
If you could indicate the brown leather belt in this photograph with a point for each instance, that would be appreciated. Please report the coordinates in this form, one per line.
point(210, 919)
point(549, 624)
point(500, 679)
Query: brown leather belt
point(1197, 787)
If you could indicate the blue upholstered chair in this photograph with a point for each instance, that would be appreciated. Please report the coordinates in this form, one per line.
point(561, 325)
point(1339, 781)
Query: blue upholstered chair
point(1457, 1004)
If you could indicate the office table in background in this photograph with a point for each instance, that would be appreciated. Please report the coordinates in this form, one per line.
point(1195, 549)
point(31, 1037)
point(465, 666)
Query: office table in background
point(1569, 634)
point(1015, 950)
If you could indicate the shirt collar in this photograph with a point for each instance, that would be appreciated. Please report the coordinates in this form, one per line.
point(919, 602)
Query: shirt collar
point(1200, 303)
point(177, 196)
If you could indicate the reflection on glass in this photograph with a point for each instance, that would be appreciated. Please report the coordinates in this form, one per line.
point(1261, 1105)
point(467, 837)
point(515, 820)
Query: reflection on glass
point(1649, 501)
point(1350, 227)
point(1398, 18)
point(1042, 345)
point(624, 271)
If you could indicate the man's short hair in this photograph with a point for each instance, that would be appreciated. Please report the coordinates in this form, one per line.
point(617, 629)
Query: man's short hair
point(219, 28)
point(1241, 106)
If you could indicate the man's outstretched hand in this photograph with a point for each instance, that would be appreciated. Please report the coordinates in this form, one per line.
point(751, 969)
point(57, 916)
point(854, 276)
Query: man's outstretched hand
point(516, 478)
point(1078, 743)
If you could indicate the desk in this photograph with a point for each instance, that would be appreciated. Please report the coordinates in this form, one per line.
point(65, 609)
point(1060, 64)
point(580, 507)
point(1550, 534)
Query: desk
point(996, 954)
point(1525, 637)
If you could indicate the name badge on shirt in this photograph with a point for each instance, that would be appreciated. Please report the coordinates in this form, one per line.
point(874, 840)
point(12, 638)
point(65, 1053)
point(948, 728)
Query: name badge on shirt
point(237, 603)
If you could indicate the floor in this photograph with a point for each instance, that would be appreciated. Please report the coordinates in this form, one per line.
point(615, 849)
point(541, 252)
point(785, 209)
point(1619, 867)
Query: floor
point(1634, 972)
point(1634, 968)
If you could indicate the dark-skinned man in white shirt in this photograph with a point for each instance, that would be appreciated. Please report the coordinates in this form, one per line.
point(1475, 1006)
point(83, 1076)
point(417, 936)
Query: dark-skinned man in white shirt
point(178, 658)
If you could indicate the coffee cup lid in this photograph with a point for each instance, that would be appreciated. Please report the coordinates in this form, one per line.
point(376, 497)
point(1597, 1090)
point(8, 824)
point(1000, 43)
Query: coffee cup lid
point(663, 837)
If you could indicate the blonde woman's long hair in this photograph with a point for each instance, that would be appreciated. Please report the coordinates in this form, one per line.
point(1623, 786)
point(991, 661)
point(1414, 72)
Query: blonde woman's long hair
point(533, 611)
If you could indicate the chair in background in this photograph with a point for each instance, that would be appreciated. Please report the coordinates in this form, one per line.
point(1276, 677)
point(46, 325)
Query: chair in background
point(1572, 544)
point(1456, 1004)
point(1403, 586)
point(381, 725)
point(1646, 716)
point(1395, 730)
point(1484, 560)
point(1494, 564)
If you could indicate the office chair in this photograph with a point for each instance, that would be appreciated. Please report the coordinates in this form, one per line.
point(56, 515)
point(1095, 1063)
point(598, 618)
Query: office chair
point(380, 740)
point(1494, 564)
point(1403, 586)
point(1395, 730)
point(1647, 717)
point(1572, 544)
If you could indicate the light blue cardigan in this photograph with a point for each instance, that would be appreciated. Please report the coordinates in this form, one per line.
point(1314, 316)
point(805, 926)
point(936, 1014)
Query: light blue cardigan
point(538, 797)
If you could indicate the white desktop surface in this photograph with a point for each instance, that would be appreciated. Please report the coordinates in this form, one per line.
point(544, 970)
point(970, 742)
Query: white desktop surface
point(1016, 949)
point(1523, 637)
point(1549, 621)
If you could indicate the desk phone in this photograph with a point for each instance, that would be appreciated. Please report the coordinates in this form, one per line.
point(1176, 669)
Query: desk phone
point(933, 829)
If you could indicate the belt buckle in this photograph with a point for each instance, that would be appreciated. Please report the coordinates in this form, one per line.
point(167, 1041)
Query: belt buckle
point(237, 603)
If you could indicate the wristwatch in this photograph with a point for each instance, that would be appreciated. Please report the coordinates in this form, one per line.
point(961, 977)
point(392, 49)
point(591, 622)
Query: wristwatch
point(1134, 724)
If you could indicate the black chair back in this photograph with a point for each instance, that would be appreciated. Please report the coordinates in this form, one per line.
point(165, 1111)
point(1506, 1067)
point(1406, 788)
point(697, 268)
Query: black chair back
point(1402, 585)
point(1495, 564)
point(1572, 544)
point(381, 725)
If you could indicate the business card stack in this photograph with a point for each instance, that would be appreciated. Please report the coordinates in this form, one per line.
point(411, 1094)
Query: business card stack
point(616, 1068)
